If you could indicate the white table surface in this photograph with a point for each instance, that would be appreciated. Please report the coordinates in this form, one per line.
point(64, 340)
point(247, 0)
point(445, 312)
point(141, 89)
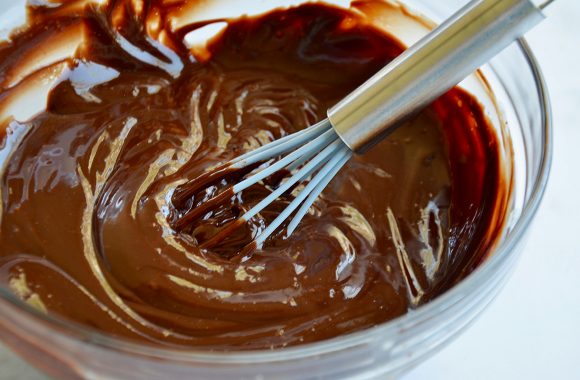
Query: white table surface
point(532, 330)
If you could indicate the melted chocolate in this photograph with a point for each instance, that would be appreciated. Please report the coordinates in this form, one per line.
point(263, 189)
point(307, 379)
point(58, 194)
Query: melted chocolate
point(86, 194)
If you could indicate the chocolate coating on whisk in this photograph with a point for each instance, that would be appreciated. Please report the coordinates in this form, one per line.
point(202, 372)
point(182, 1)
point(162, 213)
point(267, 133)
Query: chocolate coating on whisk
point(92, 189)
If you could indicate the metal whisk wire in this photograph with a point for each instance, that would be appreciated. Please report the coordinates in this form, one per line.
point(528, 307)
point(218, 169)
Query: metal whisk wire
point(316, 151)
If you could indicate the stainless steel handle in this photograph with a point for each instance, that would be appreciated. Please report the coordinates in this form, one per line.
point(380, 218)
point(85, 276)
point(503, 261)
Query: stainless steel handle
point(439, 61)
point(542, 3)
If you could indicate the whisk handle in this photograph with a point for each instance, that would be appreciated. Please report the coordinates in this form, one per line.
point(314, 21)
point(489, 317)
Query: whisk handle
point(542, 3)
point(439, 61)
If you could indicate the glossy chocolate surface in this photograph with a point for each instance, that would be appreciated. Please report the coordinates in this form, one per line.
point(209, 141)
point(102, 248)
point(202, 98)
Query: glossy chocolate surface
point(86, 228)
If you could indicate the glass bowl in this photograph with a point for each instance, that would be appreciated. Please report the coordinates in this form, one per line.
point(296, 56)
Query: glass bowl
point(64, 349)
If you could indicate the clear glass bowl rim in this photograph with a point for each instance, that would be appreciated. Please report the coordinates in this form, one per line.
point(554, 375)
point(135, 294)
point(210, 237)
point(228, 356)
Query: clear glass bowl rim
point(423, 314)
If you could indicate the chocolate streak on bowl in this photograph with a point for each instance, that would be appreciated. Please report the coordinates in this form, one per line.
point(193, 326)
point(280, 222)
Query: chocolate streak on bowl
point(135, 113)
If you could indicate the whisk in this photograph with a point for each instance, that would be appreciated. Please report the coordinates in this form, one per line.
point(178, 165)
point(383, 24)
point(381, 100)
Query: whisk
point(432, 66)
